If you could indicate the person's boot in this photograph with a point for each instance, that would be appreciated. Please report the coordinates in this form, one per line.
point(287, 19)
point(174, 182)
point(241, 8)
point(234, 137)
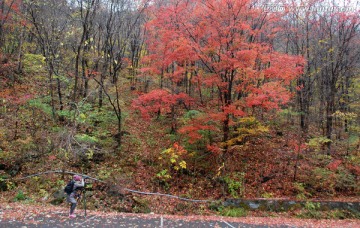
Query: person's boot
point(72, 215)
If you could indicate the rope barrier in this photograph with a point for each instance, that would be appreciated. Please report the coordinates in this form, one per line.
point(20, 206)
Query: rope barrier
point(168, 195)
point(126, 189)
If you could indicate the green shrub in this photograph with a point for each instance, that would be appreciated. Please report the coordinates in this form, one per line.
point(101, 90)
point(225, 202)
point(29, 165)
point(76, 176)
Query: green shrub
point(233, 212)
point(342, 214)
point(322, 159)
point(20, 196)
point(318, 143)
point(301, 193)
point(322, 180)
point(141, 206)
point(267, 195)
point(311, 210)
point(234, 184)
point(345, 181)
point(84, 138)
point(33, 63)
point(216, 205)
point(42, 104)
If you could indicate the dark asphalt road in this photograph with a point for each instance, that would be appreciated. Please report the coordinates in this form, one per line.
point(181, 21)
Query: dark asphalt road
point(119, 221)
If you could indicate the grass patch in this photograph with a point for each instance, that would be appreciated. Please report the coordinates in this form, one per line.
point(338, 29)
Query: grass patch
point(233, 211)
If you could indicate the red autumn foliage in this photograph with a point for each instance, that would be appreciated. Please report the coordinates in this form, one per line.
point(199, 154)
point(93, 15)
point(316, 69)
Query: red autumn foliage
point(354, 169)
point(334, 165)
point(159, 102)
point(10, 14)
point(217, 45)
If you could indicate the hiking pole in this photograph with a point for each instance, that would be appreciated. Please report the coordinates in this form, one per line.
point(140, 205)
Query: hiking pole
point(85, 203)
point(84, 193)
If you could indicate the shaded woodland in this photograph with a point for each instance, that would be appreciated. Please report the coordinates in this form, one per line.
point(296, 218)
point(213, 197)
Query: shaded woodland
point(201, 99)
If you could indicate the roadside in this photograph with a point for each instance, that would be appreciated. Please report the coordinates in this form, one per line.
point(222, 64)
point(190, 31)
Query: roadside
point(41, 215)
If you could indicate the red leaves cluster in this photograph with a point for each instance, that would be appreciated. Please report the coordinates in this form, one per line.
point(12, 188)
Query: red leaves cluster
point(158, 102)
point(334, 165)
point(216, 34)
point(192, 131)
point(268, 96)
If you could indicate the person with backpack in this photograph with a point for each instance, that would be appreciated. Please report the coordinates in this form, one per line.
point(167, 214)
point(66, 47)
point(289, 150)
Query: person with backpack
point(71, 189)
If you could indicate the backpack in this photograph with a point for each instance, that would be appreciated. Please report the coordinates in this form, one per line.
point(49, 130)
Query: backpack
point(69, 187)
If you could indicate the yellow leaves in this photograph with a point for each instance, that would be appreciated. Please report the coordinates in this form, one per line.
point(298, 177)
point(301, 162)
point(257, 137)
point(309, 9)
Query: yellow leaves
point(219, 170)
point(188, 75)
point(2, 135)
point(182, 164)
point(248, 128)
point(89, 154)
point(172, 157)
point(249, 119)
point(82, 116)
point(345, 115)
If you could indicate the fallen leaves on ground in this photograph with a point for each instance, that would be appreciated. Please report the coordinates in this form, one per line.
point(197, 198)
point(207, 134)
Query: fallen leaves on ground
point(27, 213)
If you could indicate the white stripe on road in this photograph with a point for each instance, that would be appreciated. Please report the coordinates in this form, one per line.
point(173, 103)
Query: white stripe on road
point(228, 224)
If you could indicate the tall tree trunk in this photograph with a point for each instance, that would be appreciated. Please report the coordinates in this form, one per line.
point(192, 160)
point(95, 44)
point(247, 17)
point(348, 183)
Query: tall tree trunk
point(59, 93)
point(101, 90)
point(20, 55)
point(226, 128)
point(84, 77)
point(330, 106)
point(76, 79)
point(51, 91)
point(2, 36)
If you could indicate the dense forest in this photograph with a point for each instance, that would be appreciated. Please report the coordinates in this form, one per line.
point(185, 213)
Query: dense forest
point(200, 99)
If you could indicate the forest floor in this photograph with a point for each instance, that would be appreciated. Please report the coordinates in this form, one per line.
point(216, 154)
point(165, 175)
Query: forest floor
point(263, 166)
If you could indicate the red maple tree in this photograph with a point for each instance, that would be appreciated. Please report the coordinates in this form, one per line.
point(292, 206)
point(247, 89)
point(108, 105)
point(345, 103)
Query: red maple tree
point(219, 47)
